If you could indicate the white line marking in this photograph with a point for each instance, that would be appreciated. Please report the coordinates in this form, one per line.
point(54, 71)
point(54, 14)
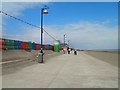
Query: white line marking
point(10, 61)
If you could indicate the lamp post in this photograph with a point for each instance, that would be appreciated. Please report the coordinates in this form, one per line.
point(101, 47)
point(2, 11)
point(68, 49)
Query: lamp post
point(43, 11)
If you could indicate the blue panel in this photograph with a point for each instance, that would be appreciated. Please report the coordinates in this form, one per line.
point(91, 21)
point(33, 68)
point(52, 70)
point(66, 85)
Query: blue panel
point(34, 46)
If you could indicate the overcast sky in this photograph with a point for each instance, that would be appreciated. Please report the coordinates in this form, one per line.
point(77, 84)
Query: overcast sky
point(87, 25)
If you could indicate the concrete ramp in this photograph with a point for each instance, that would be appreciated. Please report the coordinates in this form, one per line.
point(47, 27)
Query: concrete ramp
point(20, 54)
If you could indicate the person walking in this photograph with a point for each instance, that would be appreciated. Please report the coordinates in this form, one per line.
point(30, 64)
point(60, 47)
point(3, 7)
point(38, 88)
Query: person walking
point(75, 52)
point(63, 50)
point(69, 51)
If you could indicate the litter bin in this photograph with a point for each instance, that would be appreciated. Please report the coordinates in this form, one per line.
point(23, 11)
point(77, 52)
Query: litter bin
point(40, 57)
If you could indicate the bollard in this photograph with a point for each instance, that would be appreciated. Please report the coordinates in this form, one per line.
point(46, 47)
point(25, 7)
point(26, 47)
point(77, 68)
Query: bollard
point(40, 58)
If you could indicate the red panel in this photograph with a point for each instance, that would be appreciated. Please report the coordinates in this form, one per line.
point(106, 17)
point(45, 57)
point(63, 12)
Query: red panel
point(24, 45)
point(1, 46)
point(37, 46)
point(2, 41)
point(51, 47)
point(45, 47)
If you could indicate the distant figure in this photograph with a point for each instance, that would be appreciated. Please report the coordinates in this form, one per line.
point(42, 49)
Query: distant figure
point(63, 51)
point(69, 51)
point(75, 52)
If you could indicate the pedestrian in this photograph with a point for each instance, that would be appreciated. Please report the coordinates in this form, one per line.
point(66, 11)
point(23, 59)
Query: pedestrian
point(69, 51)
point(75, 52)
point(63, 50)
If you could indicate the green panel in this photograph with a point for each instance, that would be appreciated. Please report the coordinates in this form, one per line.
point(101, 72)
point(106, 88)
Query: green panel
point(9, 46)
point(11, 42)
point(15, 47)
point(56, 47)
point(5, 46)
point(48, 47)
point(12, 47)
point(42, 47)
point(8, 42)
point(29, 45)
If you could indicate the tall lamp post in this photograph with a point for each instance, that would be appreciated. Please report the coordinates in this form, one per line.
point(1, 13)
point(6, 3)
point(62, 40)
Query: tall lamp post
point(43, 11)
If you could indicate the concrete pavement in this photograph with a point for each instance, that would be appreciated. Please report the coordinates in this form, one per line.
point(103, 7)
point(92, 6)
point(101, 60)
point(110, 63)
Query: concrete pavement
point(65, 71)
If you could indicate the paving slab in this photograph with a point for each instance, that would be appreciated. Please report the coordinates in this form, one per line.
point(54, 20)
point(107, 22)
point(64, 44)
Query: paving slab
point(65, 71)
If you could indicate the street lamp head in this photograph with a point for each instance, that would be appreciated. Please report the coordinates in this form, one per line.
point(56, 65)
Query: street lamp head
point(45, 12)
